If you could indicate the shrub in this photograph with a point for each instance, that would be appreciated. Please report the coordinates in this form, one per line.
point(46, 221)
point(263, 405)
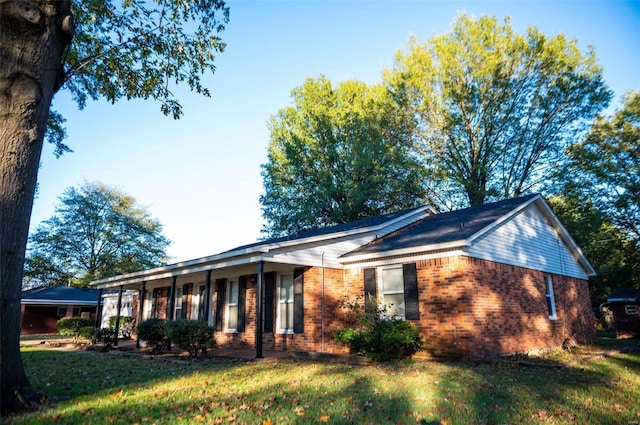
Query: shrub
point(192, 335)
point(108, 336)
point(154, 333)
point(377, 336)
point(127, 325)
point(89, 332)
point(70, 326)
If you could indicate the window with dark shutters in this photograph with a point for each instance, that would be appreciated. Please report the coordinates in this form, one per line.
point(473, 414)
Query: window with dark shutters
point(298, 300)
point(411, 304)
point(269, 290)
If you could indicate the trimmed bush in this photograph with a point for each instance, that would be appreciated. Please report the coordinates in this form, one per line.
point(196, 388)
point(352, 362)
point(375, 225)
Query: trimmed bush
point(108, 336)
point(153, 332)
point(127, 325)
point(89, 332)
point(192, 335)
point(70, 326)
point(377, 336)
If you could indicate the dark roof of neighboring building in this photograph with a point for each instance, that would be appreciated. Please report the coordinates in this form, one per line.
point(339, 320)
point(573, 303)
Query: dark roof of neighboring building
point(60, 294)
point(343, 227)
point(625, 295)
point(444, 227)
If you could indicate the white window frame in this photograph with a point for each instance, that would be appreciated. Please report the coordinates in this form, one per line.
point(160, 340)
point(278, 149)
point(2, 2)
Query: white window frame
point(229, 304)
point(148, 305)
point(631, 310)
point(283, 304)
point(381, 290)
point(550, 298)
point(177, 308)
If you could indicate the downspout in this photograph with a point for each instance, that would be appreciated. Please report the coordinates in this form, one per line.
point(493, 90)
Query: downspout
point(99, 310)
point(322, 306)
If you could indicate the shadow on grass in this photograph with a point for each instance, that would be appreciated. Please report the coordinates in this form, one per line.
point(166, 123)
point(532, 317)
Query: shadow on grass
point(93, 388)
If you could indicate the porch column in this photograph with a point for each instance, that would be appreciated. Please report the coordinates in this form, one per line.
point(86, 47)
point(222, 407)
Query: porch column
point(171, 305)
point(99, 310)
point(207, 296)
point(259, 309)
point(143, 289)
point(118, 314)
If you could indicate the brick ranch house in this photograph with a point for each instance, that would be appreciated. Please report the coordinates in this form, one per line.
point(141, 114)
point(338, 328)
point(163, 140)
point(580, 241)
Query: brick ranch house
point(499, 278)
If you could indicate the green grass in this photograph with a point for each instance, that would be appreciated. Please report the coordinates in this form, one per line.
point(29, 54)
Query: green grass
point(96, 388)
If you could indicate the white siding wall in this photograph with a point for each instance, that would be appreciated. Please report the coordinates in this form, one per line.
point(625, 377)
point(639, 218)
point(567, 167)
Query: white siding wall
point(528, 240)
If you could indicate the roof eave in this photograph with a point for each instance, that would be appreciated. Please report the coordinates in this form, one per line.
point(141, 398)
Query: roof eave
point(459, 244)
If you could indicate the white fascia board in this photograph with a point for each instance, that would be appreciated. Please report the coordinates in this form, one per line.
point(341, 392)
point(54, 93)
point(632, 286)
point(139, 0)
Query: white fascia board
point(132, 278)
point(57, 302)
point(391, 260)
point(460, 244)
point(622, 300)
point(336, 235)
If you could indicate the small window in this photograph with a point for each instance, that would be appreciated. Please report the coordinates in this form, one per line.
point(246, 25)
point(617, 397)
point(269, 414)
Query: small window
point(392, 291)
point(231, 322)
point(178, 306)
point(285, 304)
point(551, 302)
point(62, 311)
point(631, 310)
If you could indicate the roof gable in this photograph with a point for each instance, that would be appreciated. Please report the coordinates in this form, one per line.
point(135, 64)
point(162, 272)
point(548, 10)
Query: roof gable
point(442, 228)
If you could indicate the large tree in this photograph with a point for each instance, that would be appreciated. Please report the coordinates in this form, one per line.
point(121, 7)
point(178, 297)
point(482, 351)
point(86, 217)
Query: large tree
point(96, 232)
point(495, 109)
point(340, 153)
point(605, 166)
point(129, 49)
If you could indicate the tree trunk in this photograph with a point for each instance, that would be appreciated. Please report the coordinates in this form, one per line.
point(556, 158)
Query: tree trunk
point(33, 37)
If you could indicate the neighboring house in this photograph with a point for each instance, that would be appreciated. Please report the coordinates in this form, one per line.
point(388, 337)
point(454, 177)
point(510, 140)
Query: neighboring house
point(625, 304)
point(500, 278)
point(128, 303)
point(43, 307)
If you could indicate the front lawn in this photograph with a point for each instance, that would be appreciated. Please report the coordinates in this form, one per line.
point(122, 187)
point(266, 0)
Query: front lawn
point(97, 388)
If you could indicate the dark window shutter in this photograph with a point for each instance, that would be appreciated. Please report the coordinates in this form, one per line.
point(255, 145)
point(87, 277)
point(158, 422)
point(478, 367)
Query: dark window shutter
point(411, 305)
point(202, 291)
point(269, 292)
point(370, 285)
point(154, 302)
point(298, 301)
point(242, 297)
point(220, 288)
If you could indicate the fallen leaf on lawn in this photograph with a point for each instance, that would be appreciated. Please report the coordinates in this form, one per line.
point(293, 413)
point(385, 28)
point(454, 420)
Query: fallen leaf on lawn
point(324, 418)
point(267, 422)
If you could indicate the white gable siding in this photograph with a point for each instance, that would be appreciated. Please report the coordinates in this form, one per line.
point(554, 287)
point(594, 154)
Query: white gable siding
point(528, 240)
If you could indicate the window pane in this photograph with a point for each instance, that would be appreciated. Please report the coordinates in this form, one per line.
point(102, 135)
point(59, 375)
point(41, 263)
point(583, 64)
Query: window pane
point(232, 320)
point(397, 309)
point(285, 317)
point(286, 288)
point(233, 292)
point(392, 280)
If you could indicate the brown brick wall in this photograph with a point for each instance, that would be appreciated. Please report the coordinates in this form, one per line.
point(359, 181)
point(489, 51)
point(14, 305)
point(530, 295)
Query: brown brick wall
point(468, 308)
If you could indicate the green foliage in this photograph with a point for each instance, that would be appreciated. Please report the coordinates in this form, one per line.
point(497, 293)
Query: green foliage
point(494, 110)
point(605, 166)
point(107, 335)
point(340, 153)
point(192, 335)
point(96, 232)
point(127, 325)
point(375, 335)
point(153, 332)
point(70, 326)
point(89, 332)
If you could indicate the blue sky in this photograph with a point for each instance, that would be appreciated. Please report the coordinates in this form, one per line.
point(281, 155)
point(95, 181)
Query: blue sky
point(200, 176)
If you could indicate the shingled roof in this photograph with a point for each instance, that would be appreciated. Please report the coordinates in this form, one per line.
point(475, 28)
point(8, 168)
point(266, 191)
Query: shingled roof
point(60, 294)
point(444, 227)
